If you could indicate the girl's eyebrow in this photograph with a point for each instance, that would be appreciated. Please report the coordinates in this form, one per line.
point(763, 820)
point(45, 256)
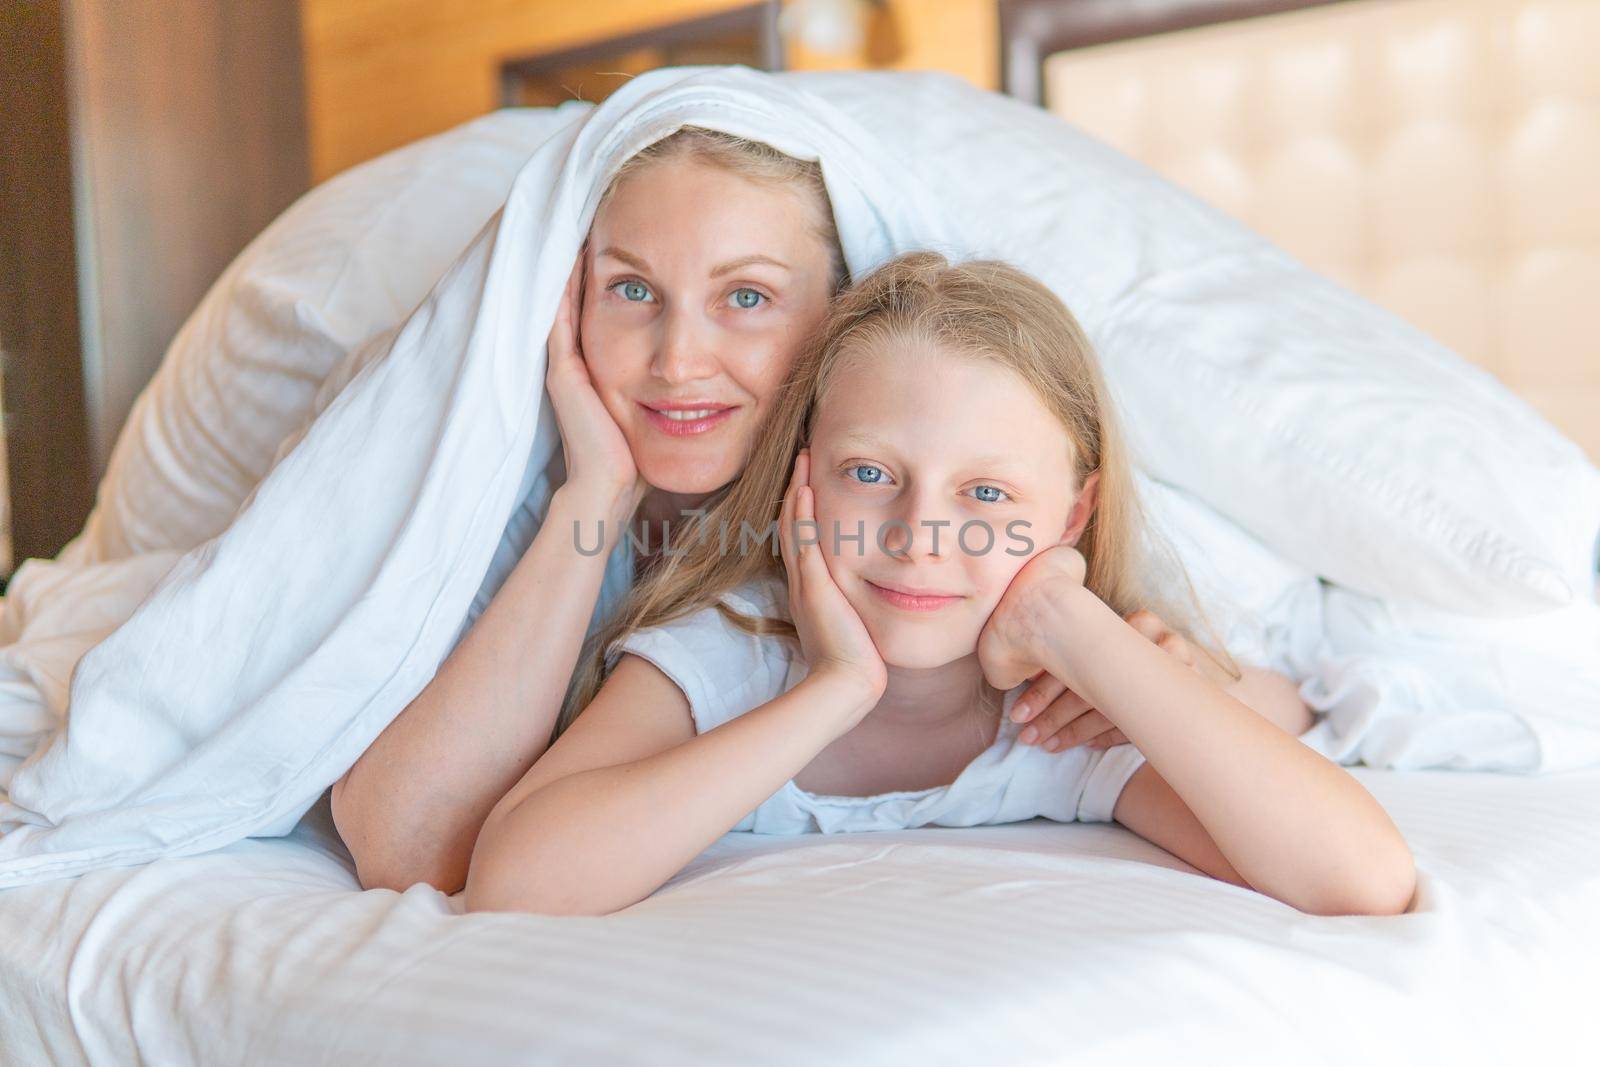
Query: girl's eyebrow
point(860, 437)
point(1001, 463)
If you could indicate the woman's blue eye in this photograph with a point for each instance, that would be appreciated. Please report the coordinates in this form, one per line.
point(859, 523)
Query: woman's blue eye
point(984, 492)
point(747, 298)
point(867, 473)
point(634, 292)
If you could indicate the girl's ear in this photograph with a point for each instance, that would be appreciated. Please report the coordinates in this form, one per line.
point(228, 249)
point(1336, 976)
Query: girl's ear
point(1082, 509)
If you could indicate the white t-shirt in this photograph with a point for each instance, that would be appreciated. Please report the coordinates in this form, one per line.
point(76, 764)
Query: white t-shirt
point(725, 672)
point(536, 492)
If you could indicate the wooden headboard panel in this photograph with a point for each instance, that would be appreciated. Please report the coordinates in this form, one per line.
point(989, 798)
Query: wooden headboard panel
point(1439, 157)
point(1032, 31)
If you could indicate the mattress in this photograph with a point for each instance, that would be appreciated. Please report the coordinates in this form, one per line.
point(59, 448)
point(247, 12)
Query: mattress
point(1029, 943)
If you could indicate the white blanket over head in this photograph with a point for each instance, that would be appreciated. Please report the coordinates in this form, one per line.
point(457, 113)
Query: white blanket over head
point(215, 694)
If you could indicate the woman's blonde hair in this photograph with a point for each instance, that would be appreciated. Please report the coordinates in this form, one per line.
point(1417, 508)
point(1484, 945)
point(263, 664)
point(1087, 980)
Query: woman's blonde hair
point(979, 309)
point(754, 161)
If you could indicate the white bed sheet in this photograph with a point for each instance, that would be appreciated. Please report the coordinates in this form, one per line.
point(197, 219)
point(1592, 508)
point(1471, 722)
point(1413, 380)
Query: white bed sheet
point(1030, 943)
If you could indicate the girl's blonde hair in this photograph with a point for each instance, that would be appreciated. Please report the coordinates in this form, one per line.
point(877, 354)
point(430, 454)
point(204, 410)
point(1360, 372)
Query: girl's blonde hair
point(754, 161)
point(979, 309)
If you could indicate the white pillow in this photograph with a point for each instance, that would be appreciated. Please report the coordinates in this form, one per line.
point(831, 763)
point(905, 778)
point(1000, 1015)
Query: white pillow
point(1339, 435)
point(343, 265)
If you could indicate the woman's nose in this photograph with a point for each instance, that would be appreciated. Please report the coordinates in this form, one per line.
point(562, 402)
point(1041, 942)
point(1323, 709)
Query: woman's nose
point(684, 353)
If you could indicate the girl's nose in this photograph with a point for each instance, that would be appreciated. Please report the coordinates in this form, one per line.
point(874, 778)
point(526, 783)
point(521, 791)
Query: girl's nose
point(924, 527)
point(684, 353)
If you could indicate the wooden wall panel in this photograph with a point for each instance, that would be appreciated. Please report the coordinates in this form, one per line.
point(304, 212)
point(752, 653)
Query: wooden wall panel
point(50, 472)
point(191, 138)
point(382, 73)
point(142, 145)
point(959, 37)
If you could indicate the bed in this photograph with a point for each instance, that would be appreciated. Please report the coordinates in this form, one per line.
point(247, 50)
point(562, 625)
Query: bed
point(1029, 943)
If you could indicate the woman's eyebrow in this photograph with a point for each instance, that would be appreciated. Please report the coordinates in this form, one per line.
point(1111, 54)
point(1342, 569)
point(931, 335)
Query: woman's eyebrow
point(746, 261)
point(627, 257)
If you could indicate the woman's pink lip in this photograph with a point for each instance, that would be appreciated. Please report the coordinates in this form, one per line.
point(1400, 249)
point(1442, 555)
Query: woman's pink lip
point(681, 428)
point(911, 602)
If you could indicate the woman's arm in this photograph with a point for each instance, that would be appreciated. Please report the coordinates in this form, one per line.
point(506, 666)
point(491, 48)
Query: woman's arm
point(1274, 697)
point(630, 794)
point(411, 806)
point(1285, 820)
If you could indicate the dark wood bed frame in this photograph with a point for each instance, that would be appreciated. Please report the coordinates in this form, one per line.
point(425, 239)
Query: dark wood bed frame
point(759, 20)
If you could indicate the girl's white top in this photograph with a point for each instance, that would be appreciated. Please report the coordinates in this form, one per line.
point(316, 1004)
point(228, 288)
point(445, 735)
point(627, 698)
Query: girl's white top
point(725, 672)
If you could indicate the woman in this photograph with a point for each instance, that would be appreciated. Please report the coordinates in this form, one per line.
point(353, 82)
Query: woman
point(709, 261)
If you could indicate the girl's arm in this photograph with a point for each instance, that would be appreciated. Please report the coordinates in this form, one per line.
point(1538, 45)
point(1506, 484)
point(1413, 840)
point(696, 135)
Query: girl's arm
point(411, 806)
point(630, 794)
point(1281, 817)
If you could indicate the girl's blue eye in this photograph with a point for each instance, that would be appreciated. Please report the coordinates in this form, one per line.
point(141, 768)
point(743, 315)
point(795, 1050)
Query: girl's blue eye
point(867, 473)
point(747, 298)
point(634, 292)
point(984, 492)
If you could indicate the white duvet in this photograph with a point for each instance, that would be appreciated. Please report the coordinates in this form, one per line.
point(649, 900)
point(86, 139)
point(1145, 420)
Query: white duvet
point(1033, 943)
point(172, 701)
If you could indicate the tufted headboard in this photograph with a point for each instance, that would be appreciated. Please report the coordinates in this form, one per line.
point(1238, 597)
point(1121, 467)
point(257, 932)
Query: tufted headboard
point(1440, 157)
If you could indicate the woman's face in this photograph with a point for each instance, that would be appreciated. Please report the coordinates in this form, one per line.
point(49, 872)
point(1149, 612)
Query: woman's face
point(701, 287)
point(966, 474)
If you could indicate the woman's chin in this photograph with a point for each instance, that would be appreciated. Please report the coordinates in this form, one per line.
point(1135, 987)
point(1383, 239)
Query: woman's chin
point(683, 475)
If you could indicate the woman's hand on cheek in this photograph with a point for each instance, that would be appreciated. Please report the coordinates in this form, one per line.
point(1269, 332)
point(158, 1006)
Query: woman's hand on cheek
point(1067, 719)
point(832, 636)
point(1011, 646)
point(594, 448)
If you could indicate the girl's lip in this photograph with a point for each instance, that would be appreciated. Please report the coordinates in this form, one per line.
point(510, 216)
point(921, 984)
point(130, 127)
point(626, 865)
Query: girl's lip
point(910, 601)
point(687, 427)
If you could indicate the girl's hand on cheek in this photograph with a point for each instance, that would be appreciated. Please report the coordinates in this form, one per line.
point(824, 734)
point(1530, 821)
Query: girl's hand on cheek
point(832, 636)
point(594, 448)
point(1011, 646)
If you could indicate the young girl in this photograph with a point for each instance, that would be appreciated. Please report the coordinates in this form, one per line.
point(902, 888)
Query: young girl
point(958, 519)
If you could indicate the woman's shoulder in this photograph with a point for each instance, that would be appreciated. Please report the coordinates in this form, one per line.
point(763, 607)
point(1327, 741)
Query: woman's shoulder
point(722, 669)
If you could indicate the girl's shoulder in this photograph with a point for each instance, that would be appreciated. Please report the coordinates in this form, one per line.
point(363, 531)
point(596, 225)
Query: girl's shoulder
point(723, 670)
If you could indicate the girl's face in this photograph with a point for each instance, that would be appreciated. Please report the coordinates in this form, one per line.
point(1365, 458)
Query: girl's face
point(964, 475)
point(701, 288)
